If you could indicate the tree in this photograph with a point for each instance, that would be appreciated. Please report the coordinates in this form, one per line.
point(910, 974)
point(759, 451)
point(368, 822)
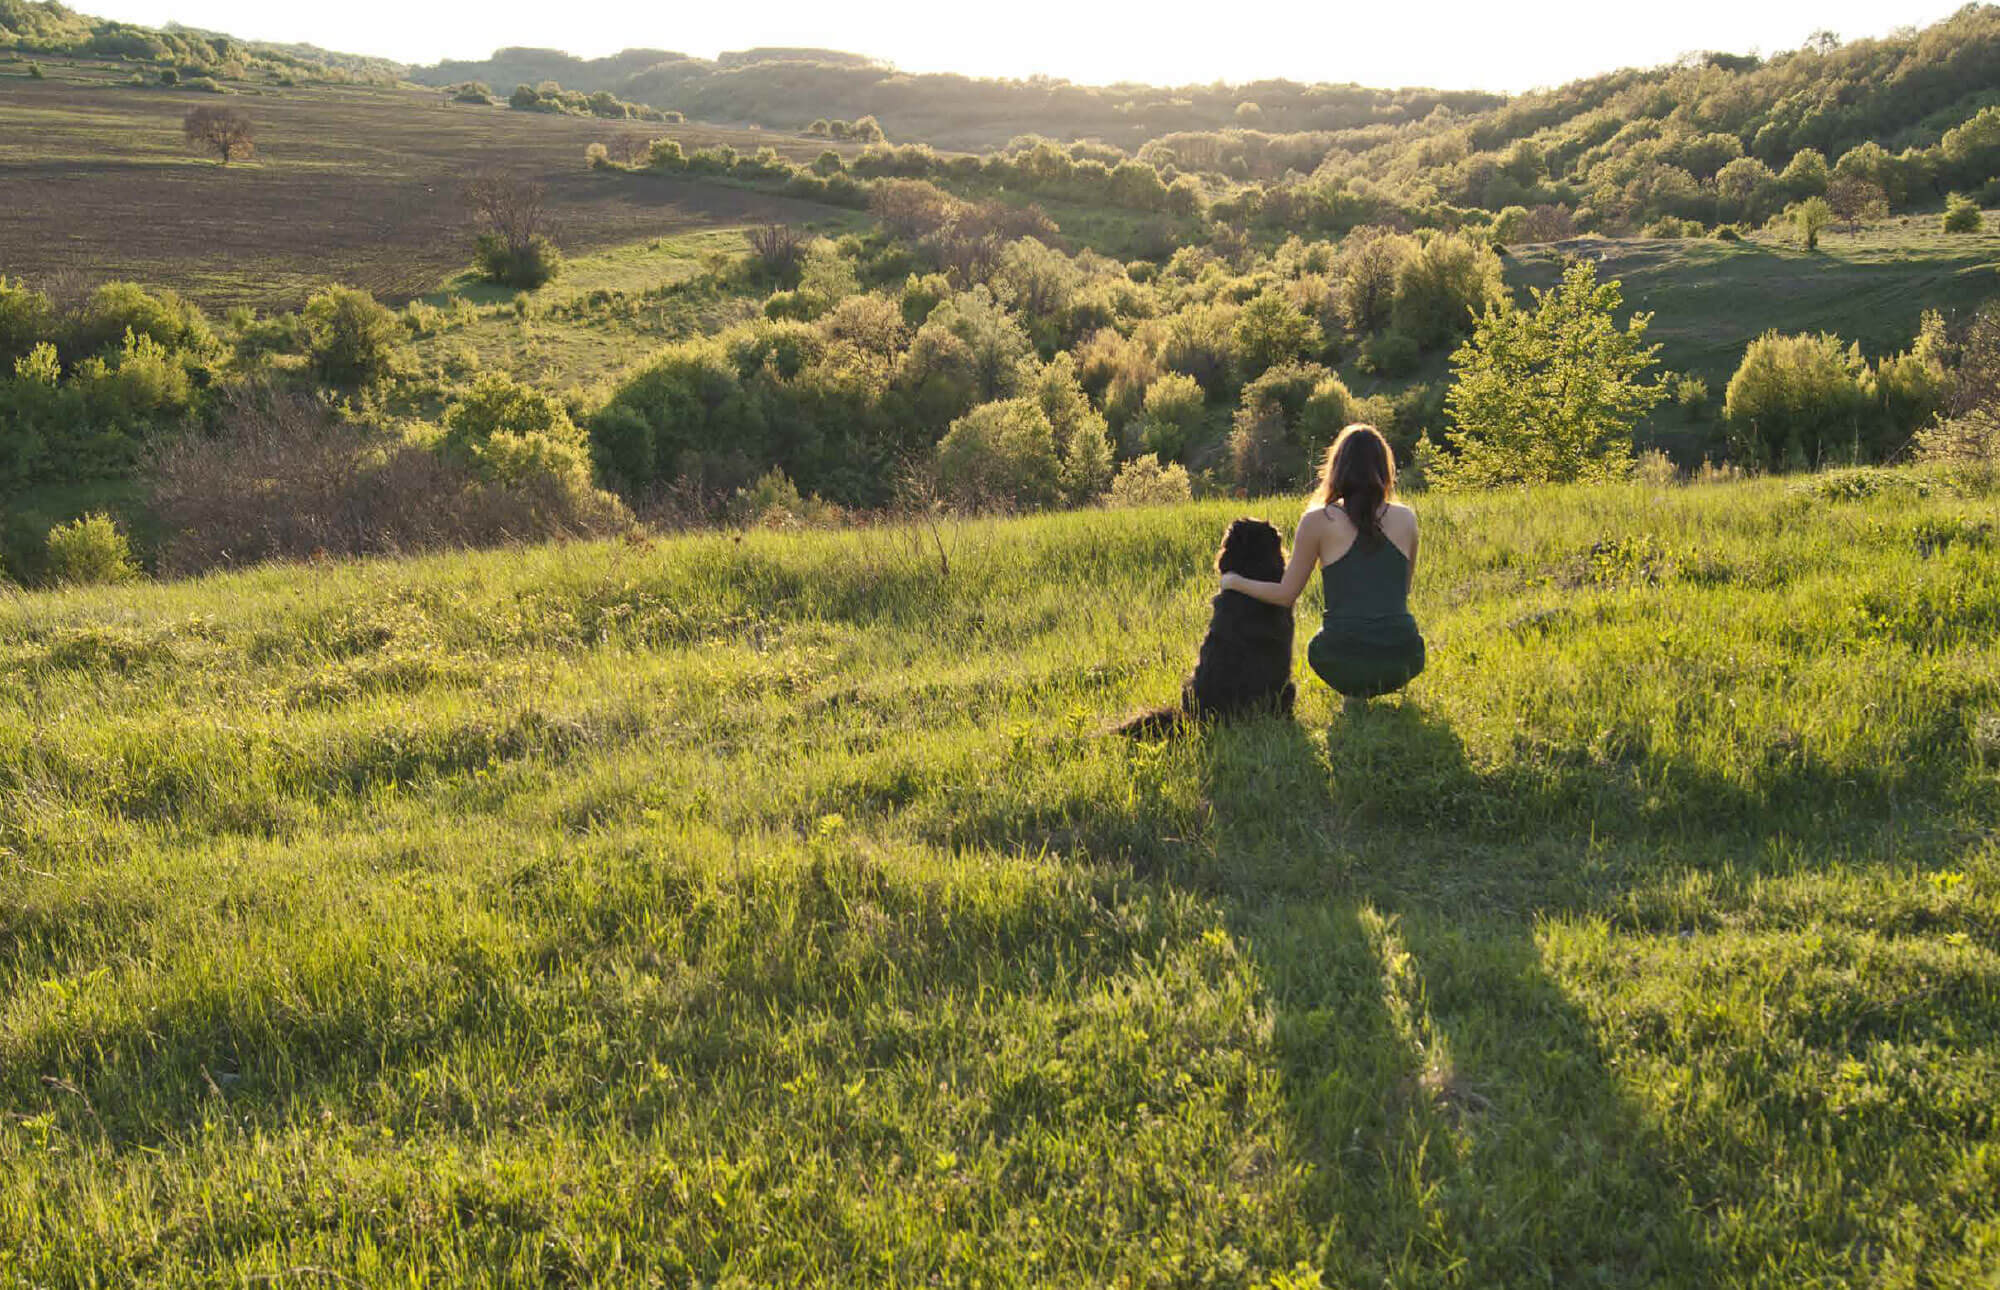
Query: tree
point(1271, 330)
point(1806, 174)
point(224, 131)
point(1550, 394)
point(514, 248)
point(1854, 200)
point(1444, 286)
point(1810, 217)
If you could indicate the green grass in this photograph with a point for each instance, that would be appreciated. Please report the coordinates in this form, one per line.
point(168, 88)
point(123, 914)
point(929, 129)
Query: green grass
point(770, 910)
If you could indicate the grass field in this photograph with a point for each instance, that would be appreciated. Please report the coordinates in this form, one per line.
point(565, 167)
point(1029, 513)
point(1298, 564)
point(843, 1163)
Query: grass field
point(767, 910)
point(358, 184)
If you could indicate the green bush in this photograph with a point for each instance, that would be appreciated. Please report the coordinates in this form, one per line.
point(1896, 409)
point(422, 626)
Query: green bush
point(1271, 330)
point(523, 266)
point(118, 308)
point(168, 76)
point(1797, 402)
point(1445, 287)
point(88, 551)
point(1174, 415)
point(1000, 455)
point(26, 320)
point(35, 72)
point(1143, 481)
point(1962, 215)
point(351, 340)
point(1390, 354)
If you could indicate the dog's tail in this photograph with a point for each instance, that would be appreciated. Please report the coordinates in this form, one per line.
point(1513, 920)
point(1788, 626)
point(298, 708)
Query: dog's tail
point(1154, 723)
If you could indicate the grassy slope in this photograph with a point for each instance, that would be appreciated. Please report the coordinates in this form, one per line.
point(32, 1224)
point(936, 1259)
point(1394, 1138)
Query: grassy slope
point(768, 909)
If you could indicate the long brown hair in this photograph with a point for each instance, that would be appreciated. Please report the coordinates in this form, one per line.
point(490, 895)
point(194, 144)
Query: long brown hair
point(1359, 474)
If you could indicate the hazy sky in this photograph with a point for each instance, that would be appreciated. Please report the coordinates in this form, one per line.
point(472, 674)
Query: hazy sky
point(1441, 43)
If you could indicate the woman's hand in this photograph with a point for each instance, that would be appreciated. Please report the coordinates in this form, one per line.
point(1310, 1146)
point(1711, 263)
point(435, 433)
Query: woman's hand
point(1232, 582)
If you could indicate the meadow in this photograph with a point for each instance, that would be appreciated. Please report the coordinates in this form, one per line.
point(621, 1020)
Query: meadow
point(768, 907)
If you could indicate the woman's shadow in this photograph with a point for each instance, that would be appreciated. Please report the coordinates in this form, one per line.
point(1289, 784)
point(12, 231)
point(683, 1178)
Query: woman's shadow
point(1452, 1099)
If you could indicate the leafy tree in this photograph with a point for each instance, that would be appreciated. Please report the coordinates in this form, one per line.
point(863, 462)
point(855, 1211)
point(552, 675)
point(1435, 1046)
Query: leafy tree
point(514, 434)
point(1175, 412)
point(1001, 454)
point(1447, 284)
point(1550, 394)
point(1962, 215)
point(226, 132)
point(1806, 175)
point(1271, 330)
point(1854, 200)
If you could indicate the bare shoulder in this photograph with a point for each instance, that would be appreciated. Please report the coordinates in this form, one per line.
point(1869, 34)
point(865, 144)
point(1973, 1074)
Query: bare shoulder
point(1398, 516)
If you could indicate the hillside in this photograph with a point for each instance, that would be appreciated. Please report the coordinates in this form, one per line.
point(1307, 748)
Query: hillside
point(767, 910)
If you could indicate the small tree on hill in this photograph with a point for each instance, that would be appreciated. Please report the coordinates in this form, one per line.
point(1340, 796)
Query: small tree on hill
point(224, 131)
point(1962, 215)
point(514, 249)
point(1855, 200)
point(1550, 394)
point(1810, 217)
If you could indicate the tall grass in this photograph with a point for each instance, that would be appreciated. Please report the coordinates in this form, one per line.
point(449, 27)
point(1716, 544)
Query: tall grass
point(770, 910)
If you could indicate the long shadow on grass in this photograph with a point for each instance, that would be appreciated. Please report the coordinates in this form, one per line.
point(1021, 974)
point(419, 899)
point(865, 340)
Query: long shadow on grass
point(1452, 1100)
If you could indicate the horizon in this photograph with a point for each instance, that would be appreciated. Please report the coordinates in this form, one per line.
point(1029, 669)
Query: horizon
point(1378, 49)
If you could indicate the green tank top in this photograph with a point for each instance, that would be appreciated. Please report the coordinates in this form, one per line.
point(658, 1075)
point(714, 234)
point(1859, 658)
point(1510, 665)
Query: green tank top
point(1368, 596)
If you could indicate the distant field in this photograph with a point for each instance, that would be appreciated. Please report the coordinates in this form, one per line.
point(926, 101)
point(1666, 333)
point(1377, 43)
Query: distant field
point(1712, 298)
point(350, 183)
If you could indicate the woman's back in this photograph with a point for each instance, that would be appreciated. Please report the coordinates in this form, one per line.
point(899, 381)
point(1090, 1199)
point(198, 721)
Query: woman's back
point(1368, 585)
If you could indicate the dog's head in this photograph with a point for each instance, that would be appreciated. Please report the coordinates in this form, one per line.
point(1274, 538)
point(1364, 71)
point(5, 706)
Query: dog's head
point(1253, 549)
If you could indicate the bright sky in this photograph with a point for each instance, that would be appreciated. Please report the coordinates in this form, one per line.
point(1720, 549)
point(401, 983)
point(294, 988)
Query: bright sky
point(1447, 44)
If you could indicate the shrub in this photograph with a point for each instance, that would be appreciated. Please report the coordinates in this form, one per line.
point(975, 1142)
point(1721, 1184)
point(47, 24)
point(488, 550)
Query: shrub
point(117, 309)
point(1795, 401)
point(1285, 415)
point(597, 156)
point(533, 264)
point(351, 340)
point(1000, 455)
point(26, 320)
point(168, 76)
point(284, 479)
point(513, 435)
point(1962, 215)
point(87, 551)
point(35, 72)
point(1690, 392)
point(1143, 481)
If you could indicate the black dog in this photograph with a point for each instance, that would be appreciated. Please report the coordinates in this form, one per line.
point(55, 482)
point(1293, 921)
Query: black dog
point(1245, 665)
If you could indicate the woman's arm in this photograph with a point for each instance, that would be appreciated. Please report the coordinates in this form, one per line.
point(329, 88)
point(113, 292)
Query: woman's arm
point(1305, 557)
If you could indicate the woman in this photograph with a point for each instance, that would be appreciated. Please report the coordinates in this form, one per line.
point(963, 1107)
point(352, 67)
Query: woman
point(1365, 544)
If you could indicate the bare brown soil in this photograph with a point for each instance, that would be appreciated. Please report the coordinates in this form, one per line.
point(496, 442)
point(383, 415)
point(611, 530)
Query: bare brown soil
point(350, 184)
